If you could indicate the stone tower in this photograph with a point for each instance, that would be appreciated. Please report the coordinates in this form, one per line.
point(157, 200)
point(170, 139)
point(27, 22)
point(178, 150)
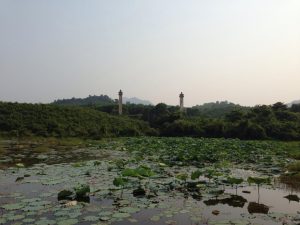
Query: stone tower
point(181, 96)
point(120, 102)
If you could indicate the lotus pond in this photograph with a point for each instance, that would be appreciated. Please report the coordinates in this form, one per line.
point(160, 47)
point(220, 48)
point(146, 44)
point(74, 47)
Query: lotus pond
point(149, 181)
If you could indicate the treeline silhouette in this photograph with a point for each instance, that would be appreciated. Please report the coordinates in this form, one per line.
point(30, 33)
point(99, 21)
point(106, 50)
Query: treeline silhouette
point(220, 119)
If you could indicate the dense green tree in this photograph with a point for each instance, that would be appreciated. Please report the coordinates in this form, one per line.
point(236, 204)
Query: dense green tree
point(279, 106)
point(295, 108)
point(61, 121)
point(96, 121)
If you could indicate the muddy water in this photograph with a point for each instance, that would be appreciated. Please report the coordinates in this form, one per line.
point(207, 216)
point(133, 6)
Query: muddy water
point(274, 199)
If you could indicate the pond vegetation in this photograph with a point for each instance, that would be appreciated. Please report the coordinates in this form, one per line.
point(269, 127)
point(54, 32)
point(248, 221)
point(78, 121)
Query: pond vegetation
point(148, 180)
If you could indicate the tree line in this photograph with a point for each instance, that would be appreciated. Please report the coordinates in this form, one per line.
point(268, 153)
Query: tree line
point(221, 119)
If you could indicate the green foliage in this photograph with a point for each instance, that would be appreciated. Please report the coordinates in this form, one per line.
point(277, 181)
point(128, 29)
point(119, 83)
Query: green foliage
point(198, 151)
point(213, 110)
point(120, 163)
point(295, 108)
point(120, 181)
point(78, 164)
point(141, 171)
point(259, 180)
point(91, 100)
point(196, 174)
point(234, 180)
point(220, 119)
point(129, 172)
point(182, 176)
point(82, 190)
point(61, 121)
point(210, 173)
point(66, 195)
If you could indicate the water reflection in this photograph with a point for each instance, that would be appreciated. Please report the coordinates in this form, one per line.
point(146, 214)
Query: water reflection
point(294, 198)
point(254, 207)
point(290, 183)
point(233, 200)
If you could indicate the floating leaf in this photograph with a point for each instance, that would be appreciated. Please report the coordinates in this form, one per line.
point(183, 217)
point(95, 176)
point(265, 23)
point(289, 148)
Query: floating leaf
point(91, 218)
point(13, 206)
point(121, 215)
point(259, 180)
point(234, 180)
point(68, 222)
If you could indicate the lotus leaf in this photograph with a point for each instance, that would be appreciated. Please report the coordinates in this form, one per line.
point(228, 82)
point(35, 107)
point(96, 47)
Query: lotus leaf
point(13, 206)
point(91, 218)
point(68, 222)
point(196, 174)
point(120, 181)
point(121, 215)
point(259, 180)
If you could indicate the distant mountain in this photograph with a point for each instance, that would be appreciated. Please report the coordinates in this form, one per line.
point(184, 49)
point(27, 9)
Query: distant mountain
point(137, 101)
point(214, 109)
point(98, 100)
point(90, 100)
point(296, 102)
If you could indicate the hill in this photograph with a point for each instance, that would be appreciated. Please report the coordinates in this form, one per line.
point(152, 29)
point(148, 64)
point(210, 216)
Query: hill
point(137, 101)
point(214, 109)
point(296, 102)
point(65, 121)
point(99, 100)
point(90, 100)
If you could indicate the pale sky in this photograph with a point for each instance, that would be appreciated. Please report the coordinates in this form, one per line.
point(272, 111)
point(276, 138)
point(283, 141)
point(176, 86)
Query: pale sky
point(243, 51)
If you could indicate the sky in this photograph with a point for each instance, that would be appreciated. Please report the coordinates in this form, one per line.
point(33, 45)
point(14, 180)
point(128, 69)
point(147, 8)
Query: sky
point(243, 51)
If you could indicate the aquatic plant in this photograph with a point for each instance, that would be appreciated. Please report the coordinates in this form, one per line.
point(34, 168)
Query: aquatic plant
point(120, 182)
point(182, 176)
point(196, 174)
point(80, 193)
point(235, 181)
point(258, 181)
point(141, 172)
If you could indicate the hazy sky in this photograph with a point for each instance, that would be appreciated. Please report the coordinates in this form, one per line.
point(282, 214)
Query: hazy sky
point(244, 51)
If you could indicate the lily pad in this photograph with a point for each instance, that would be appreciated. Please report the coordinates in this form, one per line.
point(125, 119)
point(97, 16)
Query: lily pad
point(68, 222)
point(13, 206)
point(121, 215)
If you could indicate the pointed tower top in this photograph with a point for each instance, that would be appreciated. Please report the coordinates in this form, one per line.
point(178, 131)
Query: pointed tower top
point(120, 92)
point(181, 95)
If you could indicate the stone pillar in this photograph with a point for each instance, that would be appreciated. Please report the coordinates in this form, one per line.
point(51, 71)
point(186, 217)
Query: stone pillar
point(181, 96)
point(120, 102)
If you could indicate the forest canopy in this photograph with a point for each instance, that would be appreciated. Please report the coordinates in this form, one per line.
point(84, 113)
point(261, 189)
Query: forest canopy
point(220, 119)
